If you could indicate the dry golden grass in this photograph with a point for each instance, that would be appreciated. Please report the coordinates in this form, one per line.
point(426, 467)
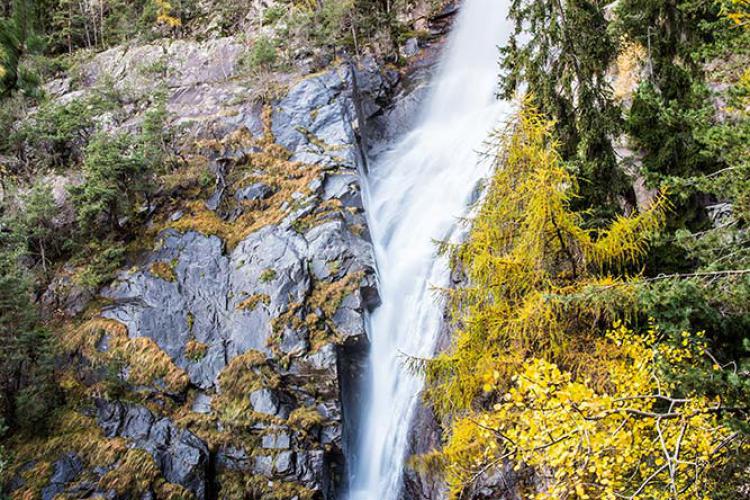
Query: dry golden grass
point(191, 176)
point(236, 485)
point(69, 431)
point(163, 270)
point(252, 301)
point(304, 418)
point(136, 474)
point(270, 165)
point(195, 350)
point(148, 363)
point(628, 66)
point(245, 374)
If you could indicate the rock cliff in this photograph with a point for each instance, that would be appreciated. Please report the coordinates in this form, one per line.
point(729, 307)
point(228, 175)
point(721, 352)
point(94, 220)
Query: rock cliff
point(222, 361)
point(235, 331)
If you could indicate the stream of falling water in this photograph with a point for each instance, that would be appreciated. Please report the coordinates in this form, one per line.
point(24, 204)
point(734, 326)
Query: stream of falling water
point(414, 195)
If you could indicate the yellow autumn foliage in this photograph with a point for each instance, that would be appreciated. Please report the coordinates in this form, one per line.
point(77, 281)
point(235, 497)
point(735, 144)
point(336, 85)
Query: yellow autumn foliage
point(629, 438)
point(630, 60)
point(529, 263)
point(531, 378)
point(164, 14)
point(738, 11)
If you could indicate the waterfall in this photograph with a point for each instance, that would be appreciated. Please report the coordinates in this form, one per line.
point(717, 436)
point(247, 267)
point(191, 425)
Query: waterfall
point(414, 194)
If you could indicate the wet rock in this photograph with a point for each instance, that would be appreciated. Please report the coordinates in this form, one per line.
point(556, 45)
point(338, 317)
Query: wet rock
point(276, 441)
point(202, 403)
point(349, 318)
point(65, 470)
point(257, 191)
point(180, 455)
point(410, 48)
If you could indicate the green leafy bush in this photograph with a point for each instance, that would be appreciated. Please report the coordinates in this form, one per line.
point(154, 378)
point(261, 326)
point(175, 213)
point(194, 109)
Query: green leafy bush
point(57, 133)
point(115, 178)
point(27, 351)
point(262, 55)
point(34, 222)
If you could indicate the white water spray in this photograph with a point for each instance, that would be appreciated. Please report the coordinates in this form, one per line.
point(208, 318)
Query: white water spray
point(414, 195)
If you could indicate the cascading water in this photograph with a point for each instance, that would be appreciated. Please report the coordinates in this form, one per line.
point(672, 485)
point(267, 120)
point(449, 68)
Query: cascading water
point(414, 195)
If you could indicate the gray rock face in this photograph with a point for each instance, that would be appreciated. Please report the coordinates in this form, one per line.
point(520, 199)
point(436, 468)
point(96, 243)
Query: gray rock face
point(256, 295)
point(424, 437)
point(257, 191)
point(181, 456)
point(265, 401)
point(317, 120)
point(204, 302)
point(174, 312)
point(66, 469)
point(500, 483)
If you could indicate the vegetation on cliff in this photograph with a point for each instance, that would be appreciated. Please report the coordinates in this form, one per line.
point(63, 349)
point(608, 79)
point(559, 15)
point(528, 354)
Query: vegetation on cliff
point(93, 170)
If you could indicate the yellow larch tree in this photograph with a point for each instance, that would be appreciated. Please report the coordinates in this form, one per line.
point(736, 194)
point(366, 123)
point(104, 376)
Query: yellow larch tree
point(531, 377)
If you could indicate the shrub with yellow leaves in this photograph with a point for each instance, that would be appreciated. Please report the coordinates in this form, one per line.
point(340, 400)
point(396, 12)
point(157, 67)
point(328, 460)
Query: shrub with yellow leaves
point(164, 14)
point(626, 436)
point(738, 11)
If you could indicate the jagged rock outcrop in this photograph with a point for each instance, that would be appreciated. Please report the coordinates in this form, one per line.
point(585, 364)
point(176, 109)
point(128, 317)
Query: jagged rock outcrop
point(180, 455)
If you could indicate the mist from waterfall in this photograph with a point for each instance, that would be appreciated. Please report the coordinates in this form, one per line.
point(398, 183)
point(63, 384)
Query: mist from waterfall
point(414, 194)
